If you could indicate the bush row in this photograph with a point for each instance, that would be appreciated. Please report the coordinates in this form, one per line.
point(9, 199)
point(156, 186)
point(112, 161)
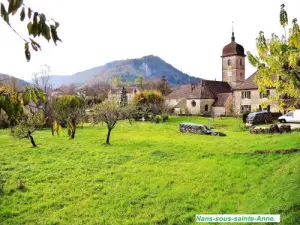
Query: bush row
point(271, 130)
point(160, 118)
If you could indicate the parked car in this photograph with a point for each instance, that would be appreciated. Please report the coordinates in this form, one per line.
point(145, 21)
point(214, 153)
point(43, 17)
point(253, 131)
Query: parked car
point(255, 118)
point(290, 117)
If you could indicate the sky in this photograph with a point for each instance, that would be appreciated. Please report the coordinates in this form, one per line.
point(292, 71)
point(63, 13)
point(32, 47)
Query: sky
point(189, 34)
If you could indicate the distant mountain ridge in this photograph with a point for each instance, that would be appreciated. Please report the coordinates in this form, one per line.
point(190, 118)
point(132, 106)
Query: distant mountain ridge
point(5, 79)
point(152, 67)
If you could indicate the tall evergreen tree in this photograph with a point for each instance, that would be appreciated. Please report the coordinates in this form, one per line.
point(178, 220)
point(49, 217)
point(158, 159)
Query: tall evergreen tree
point(124, 100)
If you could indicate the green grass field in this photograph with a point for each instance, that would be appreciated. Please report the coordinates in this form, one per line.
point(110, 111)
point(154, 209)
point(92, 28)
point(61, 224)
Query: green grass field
point(151, 174)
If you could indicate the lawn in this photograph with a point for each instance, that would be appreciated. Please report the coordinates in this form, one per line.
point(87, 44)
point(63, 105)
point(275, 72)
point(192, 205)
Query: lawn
point(151, 174)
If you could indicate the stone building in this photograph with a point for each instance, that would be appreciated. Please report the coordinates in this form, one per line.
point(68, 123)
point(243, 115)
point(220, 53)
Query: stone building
point(233, 95)
point(247, 97)
point(209, 96)
point(116, 93)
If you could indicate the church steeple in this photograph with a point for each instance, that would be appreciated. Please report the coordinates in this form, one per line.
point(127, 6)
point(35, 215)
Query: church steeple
point(232, 37)
point(232, 32)
point(233, 62)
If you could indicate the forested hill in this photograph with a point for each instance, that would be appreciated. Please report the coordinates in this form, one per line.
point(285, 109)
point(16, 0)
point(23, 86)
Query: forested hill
point(152, 67)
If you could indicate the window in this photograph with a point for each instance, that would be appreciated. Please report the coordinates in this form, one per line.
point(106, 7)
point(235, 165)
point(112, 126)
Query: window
point(246, 94)
point(245, 108)
point(228, 62)
point(265, 95)
point(193, 103)
point(206, 108)
point(241, 62)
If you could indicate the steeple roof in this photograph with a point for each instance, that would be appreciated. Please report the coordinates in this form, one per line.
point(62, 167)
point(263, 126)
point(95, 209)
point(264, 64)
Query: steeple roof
point(233, 48)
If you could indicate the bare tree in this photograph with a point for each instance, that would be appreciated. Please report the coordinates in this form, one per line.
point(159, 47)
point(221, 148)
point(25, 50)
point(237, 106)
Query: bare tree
point(95, 94)
point(41, 79)
point(70, 89)
point(13, 84)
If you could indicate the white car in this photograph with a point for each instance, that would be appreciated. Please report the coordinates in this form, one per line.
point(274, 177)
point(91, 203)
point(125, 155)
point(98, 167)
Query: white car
point(290, 117)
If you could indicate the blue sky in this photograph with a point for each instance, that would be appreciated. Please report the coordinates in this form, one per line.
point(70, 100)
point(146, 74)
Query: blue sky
point(189, 34)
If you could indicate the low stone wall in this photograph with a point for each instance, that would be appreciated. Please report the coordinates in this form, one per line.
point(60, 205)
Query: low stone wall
point(271, 130)
point(198, 129)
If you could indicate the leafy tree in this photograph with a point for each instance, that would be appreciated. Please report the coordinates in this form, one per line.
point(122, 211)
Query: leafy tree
point(16, 105)
point(278, 63)
point(149, 101)
point(128, 84)
point(163, 86)
point(117, 81)
point(38, 25)
point(110, 112)
point(28, 124)
point(71, 109)
point(13, 102)
point(139, 81)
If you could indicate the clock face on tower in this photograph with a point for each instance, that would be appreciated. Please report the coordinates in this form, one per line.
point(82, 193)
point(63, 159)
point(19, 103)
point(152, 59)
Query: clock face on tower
point(229, 73)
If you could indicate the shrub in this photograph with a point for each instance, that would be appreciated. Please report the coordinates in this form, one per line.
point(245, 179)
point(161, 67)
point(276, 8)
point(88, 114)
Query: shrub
point(157, 119)
point(244, 116)
point(165, 117)
point(149, 117)
point(4, 122)
point(149, 101)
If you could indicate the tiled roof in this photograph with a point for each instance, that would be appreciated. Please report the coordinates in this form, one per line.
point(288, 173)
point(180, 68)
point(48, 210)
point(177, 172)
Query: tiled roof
point(221, 99)
point(218, 86)
point(182, 92)
point(209, 89)
point(181, 104)
point(249, 83)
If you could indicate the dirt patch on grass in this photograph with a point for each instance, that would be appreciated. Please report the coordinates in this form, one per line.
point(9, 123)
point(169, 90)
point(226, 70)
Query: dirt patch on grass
point(279, 151)
point(216, 126)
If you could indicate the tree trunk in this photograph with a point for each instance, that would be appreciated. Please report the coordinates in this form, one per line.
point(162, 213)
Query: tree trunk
point(73, 134)
point(108, 136)
point(31, 140)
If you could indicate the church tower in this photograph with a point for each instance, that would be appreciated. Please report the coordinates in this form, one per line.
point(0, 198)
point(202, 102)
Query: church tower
point(233, 63)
